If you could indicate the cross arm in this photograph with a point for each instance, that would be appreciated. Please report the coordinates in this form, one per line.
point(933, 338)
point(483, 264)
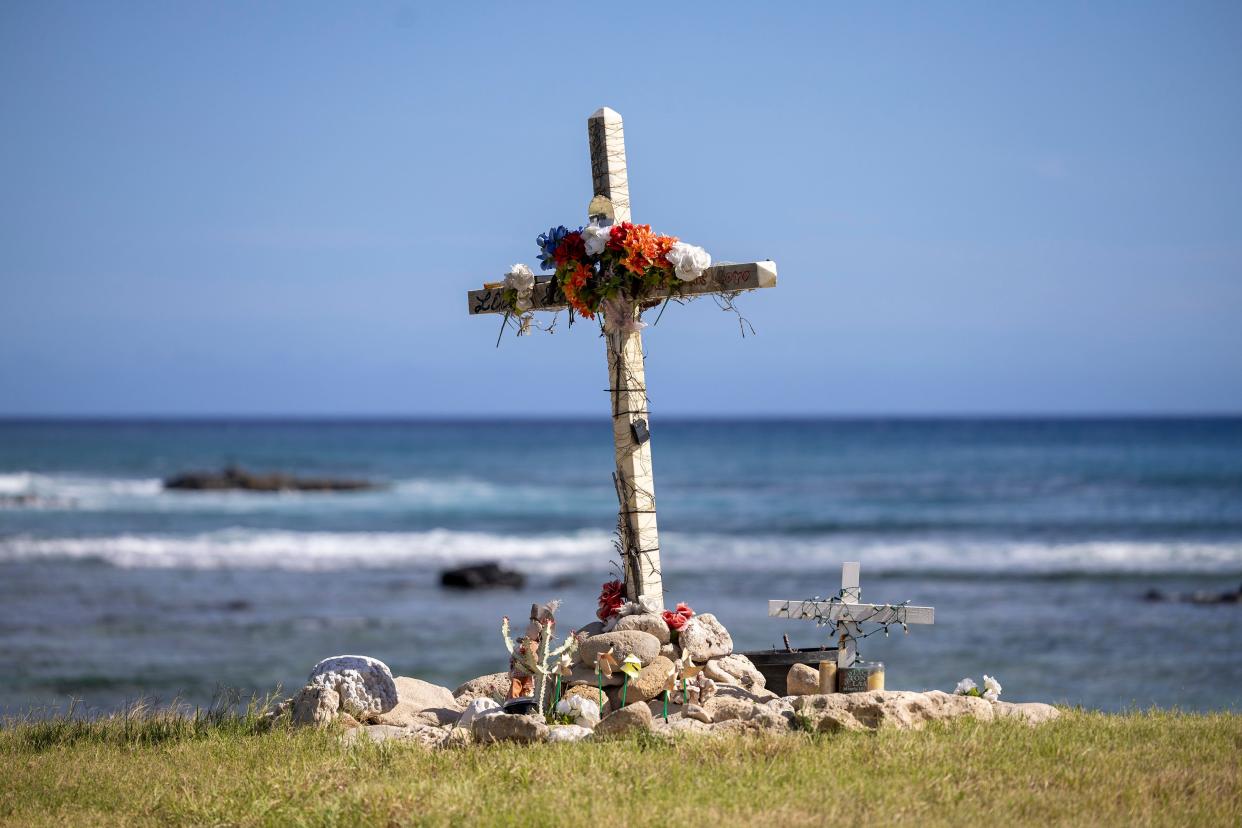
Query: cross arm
point(834, 611)
point(725, 278)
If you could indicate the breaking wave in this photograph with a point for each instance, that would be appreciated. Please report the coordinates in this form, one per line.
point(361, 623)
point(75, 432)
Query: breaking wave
point(587, 550)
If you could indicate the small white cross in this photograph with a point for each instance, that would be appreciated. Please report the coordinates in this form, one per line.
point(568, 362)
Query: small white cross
point(848, 612)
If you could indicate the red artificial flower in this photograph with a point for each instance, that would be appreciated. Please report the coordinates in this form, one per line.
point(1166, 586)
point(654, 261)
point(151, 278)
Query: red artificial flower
point(685, 611)
point(611, 597)
point(571, 249)
point(675, 620)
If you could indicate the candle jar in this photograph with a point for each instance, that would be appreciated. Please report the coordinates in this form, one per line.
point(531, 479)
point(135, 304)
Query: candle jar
point(861, 677)
point(827, 677)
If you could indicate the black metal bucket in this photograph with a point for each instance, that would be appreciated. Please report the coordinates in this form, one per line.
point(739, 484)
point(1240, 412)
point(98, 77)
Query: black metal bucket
point(775, 664)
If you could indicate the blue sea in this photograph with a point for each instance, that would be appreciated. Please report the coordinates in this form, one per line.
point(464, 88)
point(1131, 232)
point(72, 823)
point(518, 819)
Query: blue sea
point(1034, 539)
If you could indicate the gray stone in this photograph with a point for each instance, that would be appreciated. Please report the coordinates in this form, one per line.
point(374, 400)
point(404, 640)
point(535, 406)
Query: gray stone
point(493, 686)
point(735, 669)
point(423, 694)
point(586, 676)
point(705, 638)
point(315, 705)
point(693, 711)
point(588, 630)
point(722, 708)
point(364, 684)
point(670, 651)
point(646, 622)
point(643, 645)
point(629, 719)
point(502, 727)
point(421, 702)
point(802, 680)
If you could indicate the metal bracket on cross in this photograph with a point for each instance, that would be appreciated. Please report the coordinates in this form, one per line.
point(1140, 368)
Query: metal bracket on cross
point(848, 613)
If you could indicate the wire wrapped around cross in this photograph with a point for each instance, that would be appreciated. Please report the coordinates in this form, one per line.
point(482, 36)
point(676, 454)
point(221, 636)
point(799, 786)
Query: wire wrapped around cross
point(820, 611)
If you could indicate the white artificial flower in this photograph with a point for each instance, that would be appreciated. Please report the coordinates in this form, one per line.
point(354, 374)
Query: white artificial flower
point(991, 685)
point(595, 237)
point(965, 686)
point(991, 695)
point(585, 713)
point(688, 261)
point(521, 279)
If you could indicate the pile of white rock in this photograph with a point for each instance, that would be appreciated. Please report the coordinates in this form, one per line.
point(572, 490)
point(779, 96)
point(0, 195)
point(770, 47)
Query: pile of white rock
point(361, 694)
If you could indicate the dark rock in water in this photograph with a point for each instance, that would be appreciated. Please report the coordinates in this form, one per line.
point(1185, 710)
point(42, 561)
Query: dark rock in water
point(1198, 597)
point(233, 478)
point(481, 576)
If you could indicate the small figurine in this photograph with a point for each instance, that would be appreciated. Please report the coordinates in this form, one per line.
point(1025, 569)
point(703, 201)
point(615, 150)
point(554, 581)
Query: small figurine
point(529, 656)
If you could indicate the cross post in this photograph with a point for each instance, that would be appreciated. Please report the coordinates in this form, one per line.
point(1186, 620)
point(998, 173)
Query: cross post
point(848, 613)
point(627, 386)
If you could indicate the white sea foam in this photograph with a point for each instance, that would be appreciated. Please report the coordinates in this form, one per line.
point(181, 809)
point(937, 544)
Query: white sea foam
point(588, 550)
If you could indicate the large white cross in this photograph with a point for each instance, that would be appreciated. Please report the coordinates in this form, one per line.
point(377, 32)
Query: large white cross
point(627, 385)
point(848, 613)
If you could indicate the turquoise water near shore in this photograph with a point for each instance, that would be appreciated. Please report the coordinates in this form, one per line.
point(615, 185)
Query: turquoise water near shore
point(1034, 539)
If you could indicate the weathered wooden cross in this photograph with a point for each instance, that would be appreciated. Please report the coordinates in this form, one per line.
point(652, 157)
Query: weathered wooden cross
point(630, 428)
point(848, 613)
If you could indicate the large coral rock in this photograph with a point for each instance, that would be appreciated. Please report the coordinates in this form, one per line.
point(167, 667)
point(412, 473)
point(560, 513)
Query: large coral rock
point(568, 733)
point(898, 709)
point(503, 727)
point(648, 622)
point(421, 735)
point(1033, 713)
point(364, 684)
point(723, 708)
point(802, 680)
point(492, 686)
point(315, 705)
point(651, 680)
point(629, 719)
point(704, 637)
point(636, 642)
point(735, 669)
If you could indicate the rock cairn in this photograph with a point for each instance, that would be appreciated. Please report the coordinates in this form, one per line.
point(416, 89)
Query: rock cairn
point(726, 697)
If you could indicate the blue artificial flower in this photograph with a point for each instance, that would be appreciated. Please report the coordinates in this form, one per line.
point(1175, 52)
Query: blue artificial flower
point(547, 245)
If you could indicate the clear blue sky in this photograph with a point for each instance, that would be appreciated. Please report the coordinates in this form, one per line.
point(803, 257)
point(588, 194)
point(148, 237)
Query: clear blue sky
point(278, 208)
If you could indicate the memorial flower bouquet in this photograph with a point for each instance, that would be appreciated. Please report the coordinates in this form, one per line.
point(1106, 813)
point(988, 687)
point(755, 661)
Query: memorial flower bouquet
point(608, 268)
point(991, 688)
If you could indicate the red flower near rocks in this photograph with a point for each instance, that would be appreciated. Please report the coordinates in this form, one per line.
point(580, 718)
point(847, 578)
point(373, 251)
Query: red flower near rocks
point(676, 619)
point(611, 597)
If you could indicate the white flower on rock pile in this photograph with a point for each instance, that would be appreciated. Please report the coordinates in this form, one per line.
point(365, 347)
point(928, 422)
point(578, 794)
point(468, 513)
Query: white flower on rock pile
point(594, 238)
point(991, 688)
point(688, 261)
point(965, 686)
point(584, 711)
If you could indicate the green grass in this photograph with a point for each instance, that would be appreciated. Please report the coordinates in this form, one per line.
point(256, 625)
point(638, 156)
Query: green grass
point(221, 768)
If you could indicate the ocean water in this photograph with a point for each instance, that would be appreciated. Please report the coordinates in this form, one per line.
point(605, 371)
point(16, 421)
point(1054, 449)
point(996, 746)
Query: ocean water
point(1035, 540)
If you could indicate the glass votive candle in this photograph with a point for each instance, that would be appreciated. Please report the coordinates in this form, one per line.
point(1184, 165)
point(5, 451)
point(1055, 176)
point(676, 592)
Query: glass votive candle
point(861, 677)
